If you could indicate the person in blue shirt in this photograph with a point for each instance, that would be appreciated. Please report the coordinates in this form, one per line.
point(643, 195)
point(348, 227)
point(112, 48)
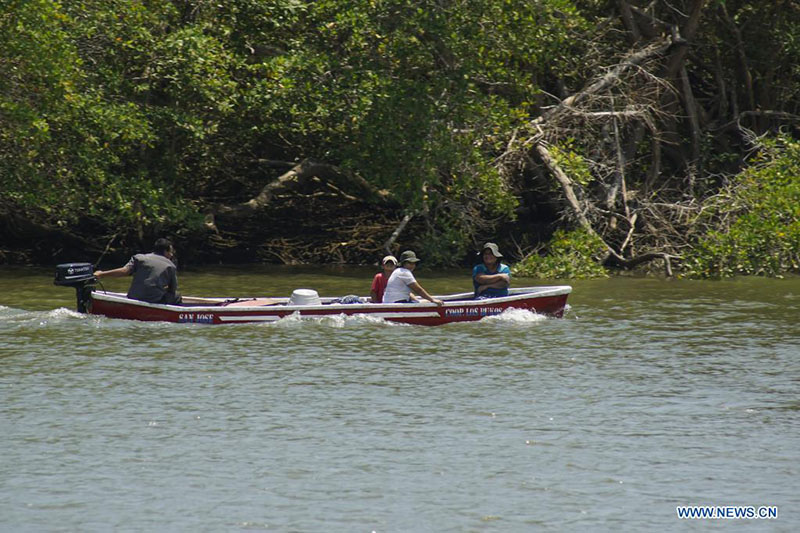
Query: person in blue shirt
point(491, 278)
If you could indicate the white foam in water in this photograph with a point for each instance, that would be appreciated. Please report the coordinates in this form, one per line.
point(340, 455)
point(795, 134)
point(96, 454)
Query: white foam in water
point(63, 312)
point(8, 314)
point(21, 315)
point(509, 316)
point(516, 316)
point(336, 321)
point(58, 315)
point(370, 319)
point(287, 321)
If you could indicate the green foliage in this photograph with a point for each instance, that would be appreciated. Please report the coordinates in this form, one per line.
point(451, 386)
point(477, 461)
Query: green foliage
point(137, 114)
point(570, 255)
point(68, 144)
point(568, 157)
point(755, 224)
point(441, 244)
point(412, 95)
point(133, 112)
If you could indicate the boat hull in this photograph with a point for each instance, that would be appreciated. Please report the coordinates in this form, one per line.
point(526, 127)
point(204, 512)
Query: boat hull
point(457, 308)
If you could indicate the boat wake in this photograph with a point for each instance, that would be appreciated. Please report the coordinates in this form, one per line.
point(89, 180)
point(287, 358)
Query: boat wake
point(509, 316)
point(15, 321)
point(63, 312)
point(516, 316)
point(334, 321)
point(11, 314)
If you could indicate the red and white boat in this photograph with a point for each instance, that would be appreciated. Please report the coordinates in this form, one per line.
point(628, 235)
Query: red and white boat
point(550, 300)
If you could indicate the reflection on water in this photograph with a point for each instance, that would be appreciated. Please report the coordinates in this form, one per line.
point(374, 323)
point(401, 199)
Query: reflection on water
point(649, 394)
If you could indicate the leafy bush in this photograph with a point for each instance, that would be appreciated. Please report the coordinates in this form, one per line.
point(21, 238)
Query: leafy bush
point(755, 224)
point(572, 254)
point(568, 157)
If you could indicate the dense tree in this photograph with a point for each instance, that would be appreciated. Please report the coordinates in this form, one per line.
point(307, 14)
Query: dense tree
point(434, 123)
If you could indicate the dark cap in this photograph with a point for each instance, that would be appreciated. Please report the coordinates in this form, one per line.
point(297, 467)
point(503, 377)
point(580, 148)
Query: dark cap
point(493, 247)
point(408, 257)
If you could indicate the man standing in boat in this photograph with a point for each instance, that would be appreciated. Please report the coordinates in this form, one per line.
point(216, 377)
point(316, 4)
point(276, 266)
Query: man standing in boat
point(155, 278)
point(491, 278)
point(402, 282)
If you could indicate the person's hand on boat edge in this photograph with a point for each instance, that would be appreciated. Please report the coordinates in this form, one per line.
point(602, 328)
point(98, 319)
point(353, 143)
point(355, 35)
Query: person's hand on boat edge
point(422, 293)
point(432, 300)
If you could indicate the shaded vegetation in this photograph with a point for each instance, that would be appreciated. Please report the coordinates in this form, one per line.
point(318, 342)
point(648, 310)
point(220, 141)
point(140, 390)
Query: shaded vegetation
point(572, 255)
point(756, 218)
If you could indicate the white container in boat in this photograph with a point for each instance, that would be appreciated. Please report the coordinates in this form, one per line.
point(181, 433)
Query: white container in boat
point(304, 297)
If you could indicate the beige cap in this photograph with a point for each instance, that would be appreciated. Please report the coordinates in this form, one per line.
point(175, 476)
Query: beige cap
point(492, 247)
point(408, 257)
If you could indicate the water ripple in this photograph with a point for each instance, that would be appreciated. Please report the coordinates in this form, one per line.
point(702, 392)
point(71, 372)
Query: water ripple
point(647, 395)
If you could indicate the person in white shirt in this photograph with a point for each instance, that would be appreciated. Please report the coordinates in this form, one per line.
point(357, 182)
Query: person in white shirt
point(402, 282)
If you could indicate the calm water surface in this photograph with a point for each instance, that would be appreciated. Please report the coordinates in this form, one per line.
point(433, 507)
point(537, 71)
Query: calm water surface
point(648, 395)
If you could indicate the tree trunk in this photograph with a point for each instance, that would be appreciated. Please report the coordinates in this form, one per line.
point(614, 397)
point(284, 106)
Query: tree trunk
point(626, 14)
point(683, 36)
point(744, 66)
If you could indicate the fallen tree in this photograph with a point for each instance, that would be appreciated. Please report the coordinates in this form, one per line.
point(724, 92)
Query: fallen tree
point(610, 117)
point(327, 178)
point(345, 219)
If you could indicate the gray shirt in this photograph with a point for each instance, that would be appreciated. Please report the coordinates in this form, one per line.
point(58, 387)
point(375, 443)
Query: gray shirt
point(153, 277)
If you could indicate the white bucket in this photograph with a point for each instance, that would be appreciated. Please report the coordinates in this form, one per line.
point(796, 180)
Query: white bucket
point(304, 297)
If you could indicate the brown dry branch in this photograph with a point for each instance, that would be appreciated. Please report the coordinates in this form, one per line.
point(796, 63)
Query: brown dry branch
point(399, 229)
point(606, 81)
point(612, 116)
point(320, 175)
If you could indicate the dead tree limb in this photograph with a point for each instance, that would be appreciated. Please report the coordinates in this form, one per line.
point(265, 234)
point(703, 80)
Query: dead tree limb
point(632, 222)
point(619, 181)
point(612, 255)
point(307, 170)
point(569, 104)
point(655, 163)
point(691, 110)
point(594, 104)
point(777, 115)
point(645, 258)
point(625, 113)
point(741, 56)
point(273, 163)
point(626, 14)
point(107, 248)
point(566, 185)
point(687, 33)
point(398, 230)
point(608, 79)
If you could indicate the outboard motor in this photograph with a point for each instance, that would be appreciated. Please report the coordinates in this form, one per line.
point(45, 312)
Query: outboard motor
point(77, 275)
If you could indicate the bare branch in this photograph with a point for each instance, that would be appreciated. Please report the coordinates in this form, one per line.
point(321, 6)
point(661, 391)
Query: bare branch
point(306, 170)
point(610, 78)
point(398, 230)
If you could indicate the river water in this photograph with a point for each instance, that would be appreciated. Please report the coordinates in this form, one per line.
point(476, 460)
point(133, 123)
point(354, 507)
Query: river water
point(648, 395)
